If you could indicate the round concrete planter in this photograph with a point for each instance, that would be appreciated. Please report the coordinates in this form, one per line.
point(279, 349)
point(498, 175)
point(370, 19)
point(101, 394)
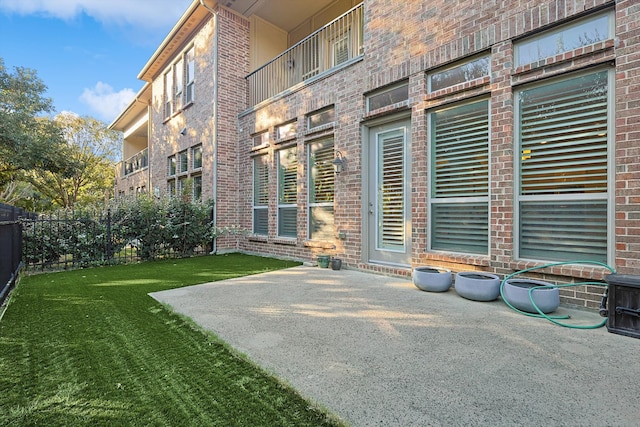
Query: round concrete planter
point(477, 286)
point(516, 293)
point(432, 279)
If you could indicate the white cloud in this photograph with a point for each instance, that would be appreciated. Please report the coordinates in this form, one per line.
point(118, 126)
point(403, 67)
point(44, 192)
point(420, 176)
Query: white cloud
point(146, 13)
point(105, 101)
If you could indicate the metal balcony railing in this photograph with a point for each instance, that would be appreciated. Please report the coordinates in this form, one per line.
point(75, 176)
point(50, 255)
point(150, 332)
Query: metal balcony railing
point(136, 162)
point(328, 47)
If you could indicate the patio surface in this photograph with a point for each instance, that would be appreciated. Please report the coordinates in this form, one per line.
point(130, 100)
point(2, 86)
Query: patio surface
point(377, 351)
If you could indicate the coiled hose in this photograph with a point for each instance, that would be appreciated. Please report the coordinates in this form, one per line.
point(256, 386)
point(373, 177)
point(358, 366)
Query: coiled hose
point(555, 319)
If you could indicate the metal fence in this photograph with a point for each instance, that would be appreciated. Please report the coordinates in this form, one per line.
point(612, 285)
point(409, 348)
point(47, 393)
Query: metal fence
point(10, 246)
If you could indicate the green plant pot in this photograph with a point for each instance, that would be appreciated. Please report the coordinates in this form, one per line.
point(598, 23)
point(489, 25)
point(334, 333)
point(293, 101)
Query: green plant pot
point(323, 261)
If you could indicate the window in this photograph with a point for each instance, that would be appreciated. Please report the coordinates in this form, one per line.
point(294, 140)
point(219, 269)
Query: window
point(460, 178)
point(287, 130)
point(323, 117)
point(287, 192)
point(183, 161)
point(191, 75)
point(566, 38)
point(261, 139)
point(196, 156)
point(178, 75)
point(321, 189)
point(171, 165)
point(462, 73)
point(260, 195)
point(168, 93)
point(197, 187)
point(388, 96)
point(171, 187)
point(563, 178)
point(340, 51)
point(182, 185)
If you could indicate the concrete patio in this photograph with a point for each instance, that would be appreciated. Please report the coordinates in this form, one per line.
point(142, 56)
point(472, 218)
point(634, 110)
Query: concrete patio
point(377, 351)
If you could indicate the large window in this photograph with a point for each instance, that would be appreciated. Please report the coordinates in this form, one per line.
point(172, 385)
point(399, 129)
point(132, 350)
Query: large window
point(566, 38)
point(321, 190)
point(183, 162)
point(287, 192)
point(260, 195)
point(460, 178)
point(196, 157)
point(178, 76)
point(563, 133)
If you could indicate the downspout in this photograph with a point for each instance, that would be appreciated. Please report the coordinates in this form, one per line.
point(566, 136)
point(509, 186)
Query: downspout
point(214, 121)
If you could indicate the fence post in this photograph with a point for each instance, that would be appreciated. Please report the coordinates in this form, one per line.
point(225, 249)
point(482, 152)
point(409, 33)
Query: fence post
point(109, 242)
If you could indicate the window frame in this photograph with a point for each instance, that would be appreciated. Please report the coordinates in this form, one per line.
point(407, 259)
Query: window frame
point(291, 133)
point(196, 157)
point(324, 144)
point(172, 167)
point(608, 196)
point(459, 65)
point(389, 92)
point(190, 75)
point(458, 198)
point(182, 162)
point(329, 121)
point(287, 201)
point(261, 206)
point(168, 93)
point(558, 30)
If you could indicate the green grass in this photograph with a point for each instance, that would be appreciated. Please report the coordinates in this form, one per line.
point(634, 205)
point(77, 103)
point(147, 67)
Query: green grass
point(90, 347)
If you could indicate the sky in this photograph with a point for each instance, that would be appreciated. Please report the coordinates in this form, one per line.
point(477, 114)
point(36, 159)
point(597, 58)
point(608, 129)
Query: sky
point(87, 52)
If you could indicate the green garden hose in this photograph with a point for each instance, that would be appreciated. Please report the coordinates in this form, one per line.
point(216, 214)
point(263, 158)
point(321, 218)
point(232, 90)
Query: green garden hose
point(554, 319)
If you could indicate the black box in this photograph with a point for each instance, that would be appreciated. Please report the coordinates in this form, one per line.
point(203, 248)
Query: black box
point(624, 304)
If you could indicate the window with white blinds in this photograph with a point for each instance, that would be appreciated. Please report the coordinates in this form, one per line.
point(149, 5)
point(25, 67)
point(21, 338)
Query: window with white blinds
point(321, 189)
point(260, 195)
point(287, 192)
point(391, 194)
point(460, 178)
point(563, 175)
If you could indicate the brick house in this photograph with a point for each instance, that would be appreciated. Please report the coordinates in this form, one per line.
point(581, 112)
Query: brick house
point(476, 135)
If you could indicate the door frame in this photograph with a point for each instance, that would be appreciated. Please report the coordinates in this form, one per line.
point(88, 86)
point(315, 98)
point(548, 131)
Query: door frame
point(368, 220)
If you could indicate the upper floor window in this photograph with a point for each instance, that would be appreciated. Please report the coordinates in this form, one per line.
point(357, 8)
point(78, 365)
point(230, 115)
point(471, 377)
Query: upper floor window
point(178, 74)
point(468, 71)
point(320, 118)
point(576, 34)
point(179, 83)
point(191, 75)
point(168, 93)
point(388, 96)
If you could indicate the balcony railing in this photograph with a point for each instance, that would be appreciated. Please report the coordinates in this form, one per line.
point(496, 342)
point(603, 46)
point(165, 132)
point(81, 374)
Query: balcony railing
point(332, 45)
point(136, 162)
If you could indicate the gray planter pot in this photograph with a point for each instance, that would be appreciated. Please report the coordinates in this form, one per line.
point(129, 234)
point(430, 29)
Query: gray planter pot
point(432, 279)
point(516, 293)
point(477, 286)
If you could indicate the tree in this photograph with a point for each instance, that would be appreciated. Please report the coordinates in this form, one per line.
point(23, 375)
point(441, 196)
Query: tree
point(93, 148)
point(28, 138)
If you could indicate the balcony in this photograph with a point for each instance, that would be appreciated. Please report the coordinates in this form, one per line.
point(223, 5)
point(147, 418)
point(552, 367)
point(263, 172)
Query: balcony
point(136, 162)
point(330, 46)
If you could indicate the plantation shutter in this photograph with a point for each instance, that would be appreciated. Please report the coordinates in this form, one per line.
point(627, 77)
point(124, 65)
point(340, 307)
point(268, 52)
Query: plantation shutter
point(563, 151)
point(321, 190)
point(260, 195)
point(391, 181)
point(322, 175)
point(287, 192)
point(460, 184)
point(341, 49)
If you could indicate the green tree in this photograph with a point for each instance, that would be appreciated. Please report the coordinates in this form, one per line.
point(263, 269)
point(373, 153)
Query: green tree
point(93, 148)
point(29, 139)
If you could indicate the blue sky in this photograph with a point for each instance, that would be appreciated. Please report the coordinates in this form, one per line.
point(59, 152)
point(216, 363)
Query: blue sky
point(87, 52)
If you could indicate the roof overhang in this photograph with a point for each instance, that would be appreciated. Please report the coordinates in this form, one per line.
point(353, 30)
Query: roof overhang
point(136, 107)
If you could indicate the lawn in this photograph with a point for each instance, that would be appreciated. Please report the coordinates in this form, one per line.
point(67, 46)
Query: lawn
point(90, 347)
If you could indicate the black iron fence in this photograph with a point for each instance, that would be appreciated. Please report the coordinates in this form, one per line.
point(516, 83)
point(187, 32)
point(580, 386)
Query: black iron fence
point(10, 246)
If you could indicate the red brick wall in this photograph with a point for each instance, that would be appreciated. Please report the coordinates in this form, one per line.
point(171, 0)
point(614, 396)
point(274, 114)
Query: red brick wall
point(405, 40)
